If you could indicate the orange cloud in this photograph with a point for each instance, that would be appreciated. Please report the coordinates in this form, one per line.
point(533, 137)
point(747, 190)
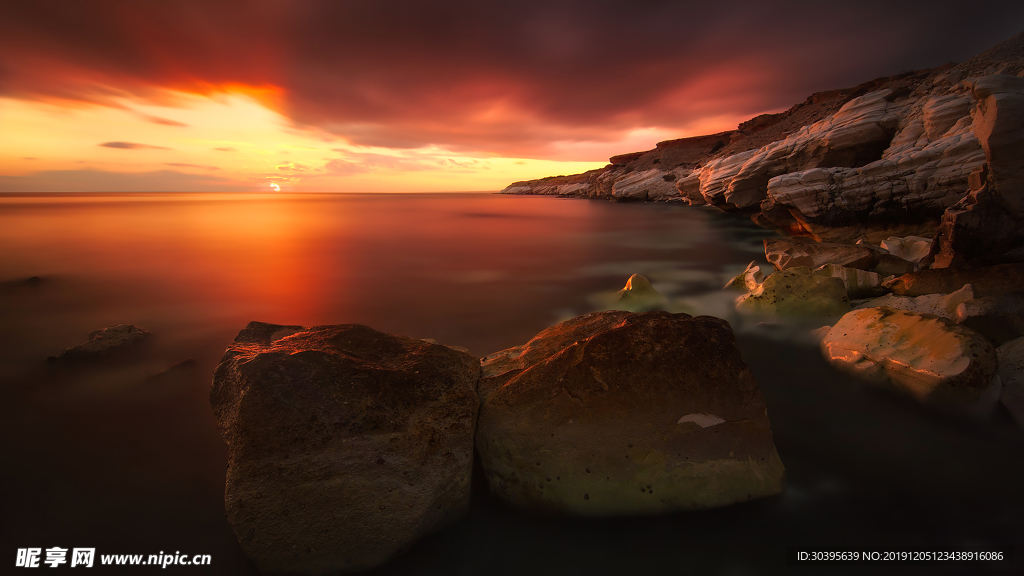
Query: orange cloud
point(551, 79)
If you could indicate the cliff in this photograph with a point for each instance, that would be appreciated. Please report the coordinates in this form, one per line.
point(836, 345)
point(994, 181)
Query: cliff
point(936, 152)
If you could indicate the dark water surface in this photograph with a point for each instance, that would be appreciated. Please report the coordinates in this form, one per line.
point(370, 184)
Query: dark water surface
point(125, 457)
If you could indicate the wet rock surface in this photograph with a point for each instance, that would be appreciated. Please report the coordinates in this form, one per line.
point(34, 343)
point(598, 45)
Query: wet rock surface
point(796, 292)
point(928, 357)
point(102, 344)
point(345, 444)
point(614, 413)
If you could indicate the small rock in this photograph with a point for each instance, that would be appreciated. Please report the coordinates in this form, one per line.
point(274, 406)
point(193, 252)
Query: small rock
point(103, 343)
point(785, 253)
point(792, 293)
point(344, 444)
point(889, 265)
point(748, 280)
point(910, 248)
point(639, 296)
point(943, 305)
point(859, 283)
point(928, 357)
point(998, 318)
point(654, 399)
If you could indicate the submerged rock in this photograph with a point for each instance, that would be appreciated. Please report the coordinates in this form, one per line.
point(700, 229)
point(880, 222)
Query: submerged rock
point(928, 357)
point(639, 296)
point(614, 413)
point(102, 344)
point(344, 444)
point(795, 292)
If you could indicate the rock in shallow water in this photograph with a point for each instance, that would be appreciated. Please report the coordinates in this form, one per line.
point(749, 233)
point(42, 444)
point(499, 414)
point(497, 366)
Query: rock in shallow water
point(795, 292)
point(639, 296)
point(928, 357)
point(344, 444)
point(102, 344)
point(614, 413)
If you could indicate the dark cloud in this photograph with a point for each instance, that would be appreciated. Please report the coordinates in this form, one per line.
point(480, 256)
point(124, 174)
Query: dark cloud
point(131, 146)
point(489, 76)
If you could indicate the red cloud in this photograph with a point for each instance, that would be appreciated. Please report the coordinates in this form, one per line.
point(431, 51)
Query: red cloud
point(505, 78)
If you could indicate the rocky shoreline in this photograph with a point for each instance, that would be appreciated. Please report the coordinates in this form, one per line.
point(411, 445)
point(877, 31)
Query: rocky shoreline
point(936, 153)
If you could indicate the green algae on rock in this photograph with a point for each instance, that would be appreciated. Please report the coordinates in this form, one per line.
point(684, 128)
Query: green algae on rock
point(616, 414)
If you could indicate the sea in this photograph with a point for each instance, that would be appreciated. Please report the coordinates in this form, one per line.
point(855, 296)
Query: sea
point(125, 457)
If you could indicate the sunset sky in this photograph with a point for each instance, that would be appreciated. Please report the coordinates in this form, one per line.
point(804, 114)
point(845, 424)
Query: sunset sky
point(422, 96)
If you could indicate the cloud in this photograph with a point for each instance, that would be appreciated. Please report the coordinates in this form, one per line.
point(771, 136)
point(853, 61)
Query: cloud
point(105, 181)
point(184, 165)
point(361, 162)
point(226, 149)
point(131, 146)
point(163, 121)
point(498, 77)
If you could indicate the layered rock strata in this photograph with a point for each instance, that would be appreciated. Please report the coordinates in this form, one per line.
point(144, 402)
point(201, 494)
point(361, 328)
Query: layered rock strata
point(937, 153)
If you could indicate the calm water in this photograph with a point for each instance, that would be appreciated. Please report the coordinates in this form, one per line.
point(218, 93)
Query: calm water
point(126, 457)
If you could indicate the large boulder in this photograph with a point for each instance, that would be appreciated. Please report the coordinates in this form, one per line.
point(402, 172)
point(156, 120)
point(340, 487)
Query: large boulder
point(344, 444)
point(104, 343)
point(988, 223)
point(928, 357)
point(614, 413)
point(797, 293)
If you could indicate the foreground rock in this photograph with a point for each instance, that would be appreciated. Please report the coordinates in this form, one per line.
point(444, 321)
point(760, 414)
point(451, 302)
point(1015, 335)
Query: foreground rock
point(614, 413)
point(928, 357)
point(102, 344)
point(344, 444)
